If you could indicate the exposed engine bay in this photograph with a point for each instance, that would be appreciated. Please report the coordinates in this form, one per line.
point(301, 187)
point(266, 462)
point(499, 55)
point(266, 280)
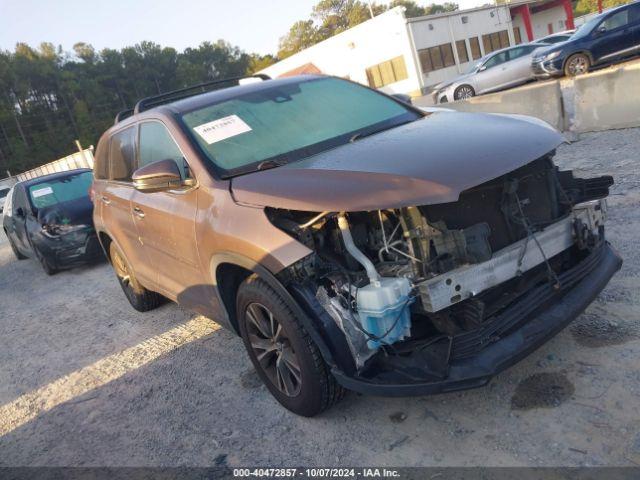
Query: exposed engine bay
point(445, 275)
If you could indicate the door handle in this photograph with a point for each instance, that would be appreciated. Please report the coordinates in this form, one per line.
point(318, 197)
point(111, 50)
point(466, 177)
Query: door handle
point(105, 200)
point(138, 212)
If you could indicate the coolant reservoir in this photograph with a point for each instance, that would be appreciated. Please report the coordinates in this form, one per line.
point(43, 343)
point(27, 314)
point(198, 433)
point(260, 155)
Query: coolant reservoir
point(380, 306)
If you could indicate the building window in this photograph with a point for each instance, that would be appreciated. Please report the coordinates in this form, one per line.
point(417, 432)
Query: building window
point(435, 58)
point(461, 47)
point(550, 28)
point(465, 19)
point(474, 44)
point(517, 35)
point(495, 41)
point(387, 72)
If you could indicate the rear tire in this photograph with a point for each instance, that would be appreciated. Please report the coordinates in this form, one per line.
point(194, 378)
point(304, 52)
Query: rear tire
point(16, 252)
point(577, 64)
point(282, 352)
point(139, 297)
point(464, 92)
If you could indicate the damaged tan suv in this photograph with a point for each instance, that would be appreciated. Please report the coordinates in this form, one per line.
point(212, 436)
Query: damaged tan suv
point(352, 240)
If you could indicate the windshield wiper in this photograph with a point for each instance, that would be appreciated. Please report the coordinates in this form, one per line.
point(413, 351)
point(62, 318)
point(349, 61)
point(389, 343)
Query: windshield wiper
point(357, 136)
point(267, 164)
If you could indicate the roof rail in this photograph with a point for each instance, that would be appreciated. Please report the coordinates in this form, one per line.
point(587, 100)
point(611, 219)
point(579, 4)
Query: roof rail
point(150, 102)
point(122, 115)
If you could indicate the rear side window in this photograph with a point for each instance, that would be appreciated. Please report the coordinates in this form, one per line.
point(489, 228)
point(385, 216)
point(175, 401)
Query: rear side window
point(157, 144)
point(122, 154)
point(616, 20)
point(101, 161)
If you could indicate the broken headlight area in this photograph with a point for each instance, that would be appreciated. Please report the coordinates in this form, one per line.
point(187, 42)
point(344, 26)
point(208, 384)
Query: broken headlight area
point(411, 289)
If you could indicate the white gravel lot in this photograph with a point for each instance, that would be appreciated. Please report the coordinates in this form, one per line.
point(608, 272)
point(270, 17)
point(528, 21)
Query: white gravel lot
point(86, 380)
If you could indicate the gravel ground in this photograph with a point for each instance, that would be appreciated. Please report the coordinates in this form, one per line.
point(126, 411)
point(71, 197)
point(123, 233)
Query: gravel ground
point(86, 380)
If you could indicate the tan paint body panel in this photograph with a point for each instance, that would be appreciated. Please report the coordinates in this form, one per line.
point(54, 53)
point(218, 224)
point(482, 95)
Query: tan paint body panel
point(173, 246)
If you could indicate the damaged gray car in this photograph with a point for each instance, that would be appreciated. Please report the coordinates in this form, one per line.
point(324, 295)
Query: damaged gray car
point(352, 240)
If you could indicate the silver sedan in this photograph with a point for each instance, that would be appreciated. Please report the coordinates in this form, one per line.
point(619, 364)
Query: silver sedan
point(496, 71)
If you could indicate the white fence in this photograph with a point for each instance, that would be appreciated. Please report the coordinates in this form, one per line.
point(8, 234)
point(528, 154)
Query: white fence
point(83, 159)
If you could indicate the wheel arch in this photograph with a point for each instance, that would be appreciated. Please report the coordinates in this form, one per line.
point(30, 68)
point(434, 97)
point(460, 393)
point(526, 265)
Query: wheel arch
point(461, 85)
point(229, 270)
point(582, 51)
point(105, 241)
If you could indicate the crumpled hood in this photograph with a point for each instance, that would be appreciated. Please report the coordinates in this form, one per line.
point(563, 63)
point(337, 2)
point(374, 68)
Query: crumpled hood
point(424, 162)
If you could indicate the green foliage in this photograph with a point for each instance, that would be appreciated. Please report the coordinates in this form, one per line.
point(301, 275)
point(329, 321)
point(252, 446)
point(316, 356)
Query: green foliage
point(49, 98)
point(260, 62)
point(330, 17)
point(584, 7)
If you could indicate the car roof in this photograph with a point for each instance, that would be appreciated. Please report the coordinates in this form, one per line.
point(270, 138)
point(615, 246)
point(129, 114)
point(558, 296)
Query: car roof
point(208, 98)
point(511, 47)
point(201, 100)
point(557, 34)
point(52, 176)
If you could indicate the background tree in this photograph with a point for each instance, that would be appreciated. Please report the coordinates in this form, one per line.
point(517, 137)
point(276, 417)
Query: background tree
point(584, 7)
point(49, 98)
point(330, 17)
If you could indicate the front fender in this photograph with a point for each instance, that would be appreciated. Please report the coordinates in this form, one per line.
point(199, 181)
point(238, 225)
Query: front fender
point(311, 325)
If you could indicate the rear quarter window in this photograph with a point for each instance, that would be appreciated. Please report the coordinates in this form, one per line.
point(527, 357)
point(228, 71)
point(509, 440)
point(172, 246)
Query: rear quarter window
point(101, 160)
point(122, 154)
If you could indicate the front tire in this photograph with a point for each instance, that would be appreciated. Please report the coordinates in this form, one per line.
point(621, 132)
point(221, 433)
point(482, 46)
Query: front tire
point(464, 92)
point(577, 64)
point(282, 352)
point(48, 267)
point(15, 250)
point(139, 297)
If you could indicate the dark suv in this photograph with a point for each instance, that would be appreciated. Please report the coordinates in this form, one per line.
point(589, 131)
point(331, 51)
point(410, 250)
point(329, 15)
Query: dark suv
point(606, 38)
point(351, 239)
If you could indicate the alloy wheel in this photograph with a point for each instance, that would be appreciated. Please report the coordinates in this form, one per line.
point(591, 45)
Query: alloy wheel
point(578, 65)
point(464, 92)
point(121, 269)
point(273, 349)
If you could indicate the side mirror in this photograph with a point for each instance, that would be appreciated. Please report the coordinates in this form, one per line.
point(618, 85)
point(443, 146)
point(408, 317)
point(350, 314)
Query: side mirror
point(601, 29)
point(482, 68)
point(157, 177)
point(402, 97)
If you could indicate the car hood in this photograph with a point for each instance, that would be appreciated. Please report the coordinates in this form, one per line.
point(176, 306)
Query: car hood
point(424, 162)
point(458, 79)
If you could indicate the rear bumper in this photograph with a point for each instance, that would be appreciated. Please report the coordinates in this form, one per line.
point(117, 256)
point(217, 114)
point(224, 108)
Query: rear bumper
point(585, 281)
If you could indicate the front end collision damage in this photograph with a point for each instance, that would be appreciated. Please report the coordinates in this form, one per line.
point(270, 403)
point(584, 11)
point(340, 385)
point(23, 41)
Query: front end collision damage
point(486, 283)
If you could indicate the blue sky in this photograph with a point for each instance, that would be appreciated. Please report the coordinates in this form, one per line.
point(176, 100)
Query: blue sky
point(253, 25)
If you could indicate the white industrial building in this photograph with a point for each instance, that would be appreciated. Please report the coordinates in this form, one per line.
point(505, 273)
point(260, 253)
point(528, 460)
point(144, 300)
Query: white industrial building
point(408, 55)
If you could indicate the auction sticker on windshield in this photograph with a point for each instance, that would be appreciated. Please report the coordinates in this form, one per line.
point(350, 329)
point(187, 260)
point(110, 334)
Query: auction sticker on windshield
point(222, 129)
point(41, 192)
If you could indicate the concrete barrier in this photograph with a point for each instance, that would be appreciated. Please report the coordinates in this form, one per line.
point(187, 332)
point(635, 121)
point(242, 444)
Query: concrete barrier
point(607, 99)
point(602, 100)
point(541, 100)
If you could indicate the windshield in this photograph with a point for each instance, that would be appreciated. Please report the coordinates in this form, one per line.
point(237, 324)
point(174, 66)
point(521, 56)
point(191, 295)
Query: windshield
point(474, 65)
point(290, 121)
point(586, 29)
point(59, 190)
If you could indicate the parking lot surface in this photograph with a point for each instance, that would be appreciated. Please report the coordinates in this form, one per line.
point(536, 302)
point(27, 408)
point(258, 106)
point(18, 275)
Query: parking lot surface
point(87, 381)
